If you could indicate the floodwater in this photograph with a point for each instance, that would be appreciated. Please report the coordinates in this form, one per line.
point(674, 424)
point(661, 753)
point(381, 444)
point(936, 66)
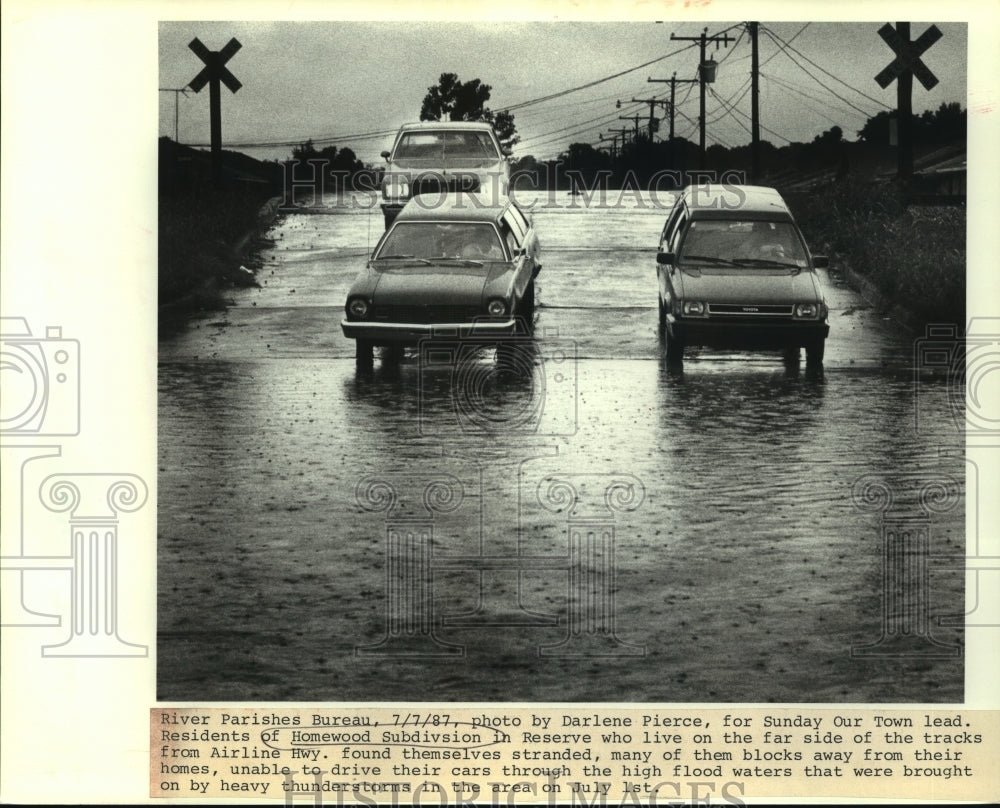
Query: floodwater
point(596, 527)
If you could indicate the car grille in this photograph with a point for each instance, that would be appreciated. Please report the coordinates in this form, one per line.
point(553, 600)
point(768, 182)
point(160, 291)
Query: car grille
point(426, 314)
point(749, 310)
point(452, 182)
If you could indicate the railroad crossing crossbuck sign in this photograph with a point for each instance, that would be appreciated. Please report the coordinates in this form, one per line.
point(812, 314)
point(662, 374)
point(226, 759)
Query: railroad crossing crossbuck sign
point(214, 72)
point(902, 69)
point(215, 65)
point(908, 55)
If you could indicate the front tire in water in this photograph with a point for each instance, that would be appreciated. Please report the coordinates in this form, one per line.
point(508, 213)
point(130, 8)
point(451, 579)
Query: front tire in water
point(363, 353)
point(674, 347)
point(815, 351)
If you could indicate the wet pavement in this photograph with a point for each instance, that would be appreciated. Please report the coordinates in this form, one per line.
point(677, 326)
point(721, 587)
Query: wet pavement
point(603, 527)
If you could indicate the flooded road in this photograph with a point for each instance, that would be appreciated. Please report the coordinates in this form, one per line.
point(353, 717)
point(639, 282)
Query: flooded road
point(600, 527)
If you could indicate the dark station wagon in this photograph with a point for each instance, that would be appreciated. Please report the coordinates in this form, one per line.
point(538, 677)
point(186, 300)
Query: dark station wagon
point(462, 266)
point(734, 272)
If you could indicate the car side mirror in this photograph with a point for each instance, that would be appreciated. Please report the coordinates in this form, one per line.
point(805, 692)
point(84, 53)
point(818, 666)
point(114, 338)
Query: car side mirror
point(821, 261)
point(385, 155)
point(664, 258)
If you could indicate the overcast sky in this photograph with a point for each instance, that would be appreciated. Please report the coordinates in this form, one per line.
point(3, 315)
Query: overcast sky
point(333, 79)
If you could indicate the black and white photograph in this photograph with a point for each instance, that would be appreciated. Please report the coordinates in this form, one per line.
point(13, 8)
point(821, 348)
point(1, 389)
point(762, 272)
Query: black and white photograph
point(561, 361)
point(569, 402)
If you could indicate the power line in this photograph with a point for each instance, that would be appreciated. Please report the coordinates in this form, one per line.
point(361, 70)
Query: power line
point(765, 128)
point(820, 83)
point(594, 83)
point(729, 111)
point(299, 141)
point(790, 87)
point(745, 87)
point(598, 122)
point(783, 45)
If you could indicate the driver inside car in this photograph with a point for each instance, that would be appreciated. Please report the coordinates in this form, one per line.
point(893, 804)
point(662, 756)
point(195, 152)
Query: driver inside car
point(482, 246)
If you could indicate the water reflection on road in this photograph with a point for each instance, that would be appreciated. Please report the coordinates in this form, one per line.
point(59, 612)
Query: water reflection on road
point(744, 567)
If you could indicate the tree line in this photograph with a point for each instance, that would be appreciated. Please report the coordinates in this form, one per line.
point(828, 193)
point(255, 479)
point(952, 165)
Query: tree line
point(641, 158)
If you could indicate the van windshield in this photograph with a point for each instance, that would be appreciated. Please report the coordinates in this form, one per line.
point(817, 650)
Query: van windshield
point(742, 243)
point(445, 148)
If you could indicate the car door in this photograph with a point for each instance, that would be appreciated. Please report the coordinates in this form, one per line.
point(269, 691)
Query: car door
point(529, 238)
point(523, 247)
point(669, 242)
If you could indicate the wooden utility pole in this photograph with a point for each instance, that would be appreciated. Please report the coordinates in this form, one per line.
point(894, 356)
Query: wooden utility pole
point(754, 103)
point(630, 118)
point(673, 81)
point(614, 146)
point(903, 68)
point(624, 135)
point(652, 106)
point(703, 41)
point(177, 95)
point(214, 72)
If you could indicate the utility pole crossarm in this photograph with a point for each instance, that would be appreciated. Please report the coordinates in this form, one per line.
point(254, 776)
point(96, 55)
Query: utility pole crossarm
point(635, 118)
point(703, 41)
point(673, 81)
point(652, 105)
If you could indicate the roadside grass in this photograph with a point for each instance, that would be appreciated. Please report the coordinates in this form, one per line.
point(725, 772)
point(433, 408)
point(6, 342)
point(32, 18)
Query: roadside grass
point(914, 256)
point(201, 233)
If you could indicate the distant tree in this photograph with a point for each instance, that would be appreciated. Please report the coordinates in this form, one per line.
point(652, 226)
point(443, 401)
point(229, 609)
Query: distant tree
point(876, 129)
point(526, 172)
point(830, 137)
point(336, 164)
point(305, 151)
point(503, 125)
point(454, 100)
point(946, 124)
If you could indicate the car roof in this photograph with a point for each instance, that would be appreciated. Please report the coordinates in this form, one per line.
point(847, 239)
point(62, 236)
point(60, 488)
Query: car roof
point(464, 206)
point(724, 201)
point(465, 125)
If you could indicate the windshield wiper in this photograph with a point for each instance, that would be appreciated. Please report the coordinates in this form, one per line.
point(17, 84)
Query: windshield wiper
point(764, 262)
point(710, 258)
point(403, 258)
point(467, 262)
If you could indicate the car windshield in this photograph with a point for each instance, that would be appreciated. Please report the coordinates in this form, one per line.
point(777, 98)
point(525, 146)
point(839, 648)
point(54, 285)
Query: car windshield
point(442, 147)
point(428, 241)
point(742, 243)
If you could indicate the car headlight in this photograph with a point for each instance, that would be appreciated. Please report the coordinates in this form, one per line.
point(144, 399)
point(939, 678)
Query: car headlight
point(395, 187)
point(358, 308)
point(694, 308)
point(496, 308)
point(810, 311)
